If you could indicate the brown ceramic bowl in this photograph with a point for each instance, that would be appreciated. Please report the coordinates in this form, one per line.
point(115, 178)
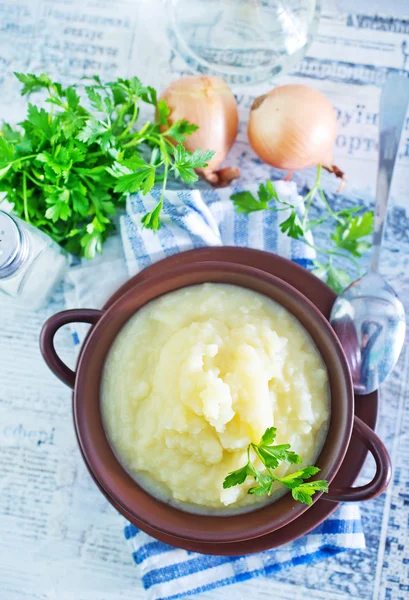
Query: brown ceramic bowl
point(120, 486)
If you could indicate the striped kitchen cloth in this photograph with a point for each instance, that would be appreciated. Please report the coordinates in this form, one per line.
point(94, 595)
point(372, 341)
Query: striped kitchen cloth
point(170, 573)
point(192, 219)
point(195, 218)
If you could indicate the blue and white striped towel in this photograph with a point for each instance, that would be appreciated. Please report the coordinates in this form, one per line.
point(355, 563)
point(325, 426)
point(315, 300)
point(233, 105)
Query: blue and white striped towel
point(169, 573)
point(192, 219)
point(207, 218)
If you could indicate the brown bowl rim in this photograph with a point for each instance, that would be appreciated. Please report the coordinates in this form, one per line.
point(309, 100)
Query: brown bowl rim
point(118, 483)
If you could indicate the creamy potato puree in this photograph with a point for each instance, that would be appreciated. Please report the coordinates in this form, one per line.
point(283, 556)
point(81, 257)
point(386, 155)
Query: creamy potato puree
point(195, 376)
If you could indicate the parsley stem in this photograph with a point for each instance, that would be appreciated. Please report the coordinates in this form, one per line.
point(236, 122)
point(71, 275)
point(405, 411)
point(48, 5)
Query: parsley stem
point(324, 199)
point(256, 450)
point(311, 195)
point(286, 204)
point(57, 98)
point(36, 181)
point(26, 215)
point(144, 128)
point(131, 122)
point(318, 177)
point(248, 454)
point(85, 179)
point(342, 255)
point(348, 256)
point(169, 143)
point(165, 157)
point(95, 154)
point(332, 253)
point(133, 142)
point(138, 140)
point(22, 158)
point(271, 473)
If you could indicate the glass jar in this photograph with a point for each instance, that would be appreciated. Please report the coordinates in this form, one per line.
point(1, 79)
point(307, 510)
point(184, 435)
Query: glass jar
point(31, 263)
point(242, 41)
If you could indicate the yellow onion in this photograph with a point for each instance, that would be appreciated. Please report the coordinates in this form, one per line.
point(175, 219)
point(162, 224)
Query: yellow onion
point(293, 127)
point(208, 102)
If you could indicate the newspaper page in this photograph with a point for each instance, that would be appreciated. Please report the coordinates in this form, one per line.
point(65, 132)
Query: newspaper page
point(59, 537)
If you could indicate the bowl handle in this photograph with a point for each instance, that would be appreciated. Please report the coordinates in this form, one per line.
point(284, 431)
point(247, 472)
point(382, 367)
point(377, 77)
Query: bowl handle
point(383, 469)
point(50, 328)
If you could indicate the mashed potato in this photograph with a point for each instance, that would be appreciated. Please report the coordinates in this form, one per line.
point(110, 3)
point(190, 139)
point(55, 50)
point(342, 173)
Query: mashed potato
point(197, 375)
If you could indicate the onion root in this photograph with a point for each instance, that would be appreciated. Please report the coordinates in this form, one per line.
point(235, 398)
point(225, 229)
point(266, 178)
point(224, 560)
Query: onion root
point(338, 173)
point(222, 177)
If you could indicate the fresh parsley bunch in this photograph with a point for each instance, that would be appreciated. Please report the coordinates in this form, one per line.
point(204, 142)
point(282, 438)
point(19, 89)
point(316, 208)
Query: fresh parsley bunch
point(348, 239)
point(68, 169)
point(271, 456)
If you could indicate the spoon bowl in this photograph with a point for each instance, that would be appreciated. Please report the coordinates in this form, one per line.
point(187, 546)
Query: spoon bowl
point(369, 320)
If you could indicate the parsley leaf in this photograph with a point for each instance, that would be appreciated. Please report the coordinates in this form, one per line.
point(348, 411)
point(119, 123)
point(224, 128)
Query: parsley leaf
point(149, 95)
point(96, 99)
point(271, 457)
point(269, 436)
point(37, 122)
point(186, 162)
point(134, 181)
point(73, 98)
point(33, 83)
point(152, 219)
point(236, 477)
point(6, 151)
point(263, 488)
point(305, 491)
point(163, 112)
point(68, 167)
point(350, 228)
point(91, 131)
point(246, 203)
point(91, 243)
point(58, 210)
point(292, 226)
point(320, 270)
point(4, 171)
point(337, 279)
point(295, 479)
point(180, 130)
point(267, 192)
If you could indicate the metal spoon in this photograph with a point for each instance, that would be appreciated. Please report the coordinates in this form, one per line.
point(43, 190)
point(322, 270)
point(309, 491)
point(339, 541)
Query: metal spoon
point(368, 317)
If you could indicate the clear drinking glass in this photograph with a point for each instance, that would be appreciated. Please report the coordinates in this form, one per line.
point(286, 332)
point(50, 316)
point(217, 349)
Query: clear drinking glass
point(242, 41)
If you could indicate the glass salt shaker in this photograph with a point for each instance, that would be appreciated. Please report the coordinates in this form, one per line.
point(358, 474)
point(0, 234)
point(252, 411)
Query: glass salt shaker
point(31, 263)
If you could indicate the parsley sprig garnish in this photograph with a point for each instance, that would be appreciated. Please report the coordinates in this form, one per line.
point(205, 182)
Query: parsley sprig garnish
point(69, 168)
point(348, 237)
point(271, 457)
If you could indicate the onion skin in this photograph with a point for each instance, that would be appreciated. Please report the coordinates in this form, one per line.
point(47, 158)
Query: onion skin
point(293, 127)
point(208, 102)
